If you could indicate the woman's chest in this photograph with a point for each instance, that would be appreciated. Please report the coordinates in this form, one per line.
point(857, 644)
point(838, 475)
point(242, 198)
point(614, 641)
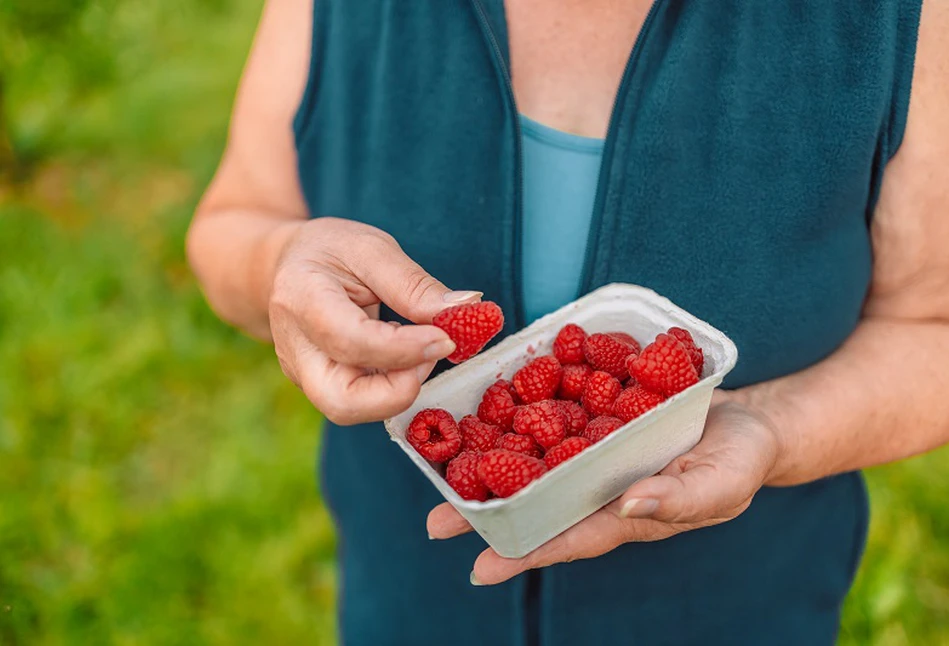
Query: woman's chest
point(567, 58)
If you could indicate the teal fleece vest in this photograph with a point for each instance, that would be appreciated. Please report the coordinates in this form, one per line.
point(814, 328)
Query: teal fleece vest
point(743, 161)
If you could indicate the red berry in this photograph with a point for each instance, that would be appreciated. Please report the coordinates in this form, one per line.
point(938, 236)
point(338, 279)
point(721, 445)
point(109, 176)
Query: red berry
point(538, 380)
point(695, 352)
point(520, 444)
point(574, 381)
point(470, 326)
point(477, 435)
point(506, 472)
point(462, 476)
point(565, 450)
point(604, 352)
point(577, 418)
point(600, 393)
point(544, 421)
point(497, 406)
point(664, 366)
point(434, 434)
point(635, 401)
point(568, 346)
point(622, 337)
point(600, 427)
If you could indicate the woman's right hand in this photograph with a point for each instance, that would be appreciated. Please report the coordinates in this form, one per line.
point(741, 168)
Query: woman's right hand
point(324, 317)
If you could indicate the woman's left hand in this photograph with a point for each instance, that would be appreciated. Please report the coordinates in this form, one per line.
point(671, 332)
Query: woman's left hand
point(711, 484)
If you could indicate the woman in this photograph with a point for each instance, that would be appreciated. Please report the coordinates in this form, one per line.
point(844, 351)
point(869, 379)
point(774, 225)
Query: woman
point(764, 166)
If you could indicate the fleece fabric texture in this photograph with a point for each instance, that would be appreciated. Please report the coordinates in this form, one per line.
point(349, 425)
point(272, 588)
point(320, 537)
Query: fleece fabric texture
point(741, 170)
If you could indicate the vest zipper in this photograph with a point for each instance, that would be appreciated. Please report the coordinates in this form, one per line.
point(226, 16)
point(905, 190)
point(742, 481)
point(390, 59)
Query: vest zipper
point(519, 309)
point(596, 221)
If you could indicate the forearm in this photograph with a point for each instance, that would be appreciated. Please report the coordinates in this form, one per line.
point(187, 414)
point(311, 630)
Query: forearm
point(881, 397)
point(234, 254)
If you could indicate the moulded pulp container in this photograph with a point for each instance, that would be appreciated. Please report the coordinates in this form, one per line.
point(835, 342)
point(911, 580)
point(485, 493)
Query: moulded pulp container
point(575, 489)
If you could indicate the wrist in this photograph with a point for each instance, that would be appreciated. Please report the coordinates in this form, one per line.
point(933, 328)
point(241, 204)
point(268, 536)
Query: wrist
point(776, 412)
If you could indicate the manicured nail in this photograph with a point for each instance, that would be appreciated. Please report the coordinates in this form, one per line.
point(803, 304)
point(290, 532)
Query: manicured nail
point(473, 579)
point(638, 507)
point(461, 297)
point(438, 350)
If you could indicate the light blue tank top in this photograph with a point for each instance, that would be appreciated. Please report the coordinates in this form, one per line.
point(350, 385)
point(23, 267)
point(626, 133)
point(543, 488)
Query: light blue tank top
point(561, 171)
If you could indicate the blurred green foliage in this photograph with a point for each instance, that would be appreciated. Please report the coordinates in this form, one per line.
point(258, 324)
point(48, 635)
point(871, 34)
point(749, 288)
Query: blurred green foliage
point(156, 470)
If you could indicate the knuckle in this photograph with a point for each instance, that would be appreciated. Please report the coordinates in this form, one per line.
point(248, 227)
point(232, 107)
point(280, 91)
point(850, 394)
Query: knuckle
point(417, 284)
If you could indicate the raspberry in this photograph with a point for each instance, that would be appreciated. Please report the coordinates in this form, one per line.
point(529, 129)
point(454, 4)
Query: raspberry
point(506, 472)
point(538, 380)
point(476, 435)
point(622, 337)
point(470, 326)
point(568, 346)
point(520, 444)
point(633, 402)
point(544, 421)
point(497, 406)
point(434, 434)
point(577, 418)
point(600, 427)
point(511, 389)
point(574, 380)
point(462, 476)
point(564, 451)
point(695, 352)
point(604, 352)
point(664, 366)
point(600, 393)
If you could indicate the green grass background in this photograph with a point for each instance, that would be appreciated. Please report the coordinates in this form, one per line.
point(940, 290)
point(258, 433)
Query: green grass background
point(156, 470)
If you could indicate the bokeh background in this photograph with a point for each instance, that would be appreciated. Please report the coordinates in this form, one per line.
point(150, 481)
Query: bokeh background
point(156, 470)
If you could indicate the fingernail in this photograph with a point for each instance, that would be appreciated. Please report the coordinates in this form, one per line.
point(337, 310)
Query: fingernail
point(431, 538)
point(438, 350)
point(423, 371)
point(638, 507)
point(473, 579)
point(461, 297)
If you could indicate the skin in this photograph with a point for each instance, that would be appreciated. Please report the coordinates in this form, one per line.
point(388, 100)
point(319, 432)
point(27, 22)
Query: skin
point(313, 286)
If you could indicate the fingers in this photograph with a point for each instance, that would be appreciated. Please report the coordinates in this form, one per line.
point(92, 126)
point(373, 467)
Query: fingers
point(444, 521)
point(697, 495)
point(596, 535)
point(401, 283)
point(348, 395)
point(346, 332)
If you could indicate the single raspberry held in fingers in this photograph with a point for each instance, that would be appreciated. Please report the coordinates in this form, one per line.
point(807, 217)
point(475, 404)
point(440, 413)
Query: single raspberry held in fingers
point(497, 406)
point(622, 337)
point(577, 418)
point(470, 326)
point(477, 435)
point(434, 434)
point(520, 444)
point(601, 391)
point(462, 476)
point(574, 381)
point(565, 450)
point(604, 352)
point(539, 379)
point(544, 421)
point(635, 401)
point(695, 352)
point(600, 427)
point(568, 346)
point(506, 472)
point(664, 366)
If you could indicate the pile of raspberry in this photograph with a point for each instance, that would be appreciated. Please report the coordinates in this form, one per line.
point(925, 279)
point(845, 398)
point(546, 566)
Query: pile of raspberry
point(554, 407)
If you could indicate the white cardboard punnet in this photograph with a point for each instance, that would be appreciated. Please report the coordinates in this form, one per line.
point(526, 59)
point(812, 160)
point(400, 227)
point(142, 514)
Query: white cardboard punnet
point(575, 489)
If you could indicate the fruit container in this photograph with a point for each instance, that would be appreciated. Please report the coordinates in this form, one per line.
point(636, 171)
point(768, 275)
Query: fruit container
point(572, 491)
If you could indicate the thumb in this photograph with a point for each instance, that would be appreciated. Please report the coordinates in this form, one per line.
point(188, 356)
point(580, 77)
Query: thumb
point(402, 284)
